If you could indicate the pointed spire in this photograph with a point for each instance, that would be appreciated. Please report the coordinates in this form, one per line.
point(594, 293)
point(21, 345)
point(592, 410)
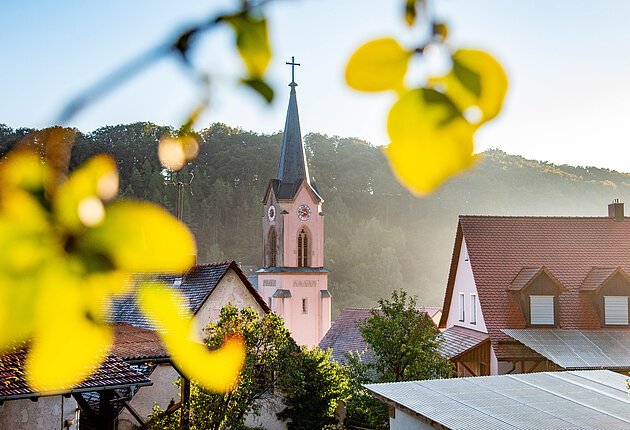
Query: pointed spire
point(292, 167)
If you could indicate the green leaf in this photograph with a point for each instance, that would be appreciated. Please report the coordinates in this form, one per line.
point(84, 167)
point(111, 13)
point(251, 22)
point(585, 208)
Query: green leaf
point(252, 42)
point(261, 87)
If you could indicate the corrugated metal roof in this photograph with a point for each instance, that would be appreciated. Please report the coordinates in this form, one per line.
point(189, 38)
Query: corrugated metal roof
point(578, 349)
point(552, 400)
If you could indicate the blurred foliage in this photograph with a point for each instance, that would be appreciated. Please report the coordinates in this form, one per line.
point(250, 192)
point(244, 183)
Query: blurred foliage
point(68, 249)
point(431, 127)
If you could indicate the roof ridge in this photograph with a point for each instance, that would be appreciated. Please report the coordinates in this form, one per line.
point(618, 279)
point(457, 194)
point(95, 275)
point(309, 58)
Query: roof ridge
point(214, 264)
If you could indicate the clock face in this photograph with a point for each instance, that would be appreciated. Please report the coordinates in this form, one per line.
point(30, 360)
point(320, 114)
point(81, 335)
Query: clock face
point(304, 212)
point(271, 213)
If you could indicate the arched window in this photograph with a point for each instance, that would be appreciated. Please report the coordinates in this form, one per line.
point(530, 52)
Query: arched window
point(272, 247)
point(302, 249)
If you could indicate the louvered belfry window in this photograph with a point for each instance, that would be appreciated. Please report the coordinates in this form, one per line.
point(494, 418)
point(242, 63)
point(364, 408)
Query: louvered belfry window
point(302, 249)
point(616, 310)
point(273, 248)
point(541, 310)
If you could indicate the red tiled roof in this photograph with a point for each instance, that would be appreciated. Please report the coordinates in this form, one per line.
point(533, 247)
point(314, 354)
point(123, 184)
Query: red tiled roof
point(500, 247)
point(598, 276)
point(136, 343)
point(113, 373)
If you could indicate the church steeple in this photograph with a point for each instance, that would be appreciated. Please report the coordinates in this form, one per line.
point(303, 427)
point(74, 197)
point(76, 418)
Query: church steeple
point(292, 166)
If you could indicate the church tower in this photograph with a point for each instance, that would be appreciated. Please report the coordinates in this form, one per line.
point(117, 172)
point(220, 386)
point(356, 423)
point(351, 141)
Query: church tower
point(293, 279)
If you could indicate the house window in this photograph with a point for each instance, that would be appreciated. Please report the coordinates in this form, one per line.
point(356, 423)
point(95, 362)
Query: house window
point(616, 310)
point(302, 249)
point(473, 308)
point(304, 306)
point(269, 302)
point(462, 312)
point(541, 310)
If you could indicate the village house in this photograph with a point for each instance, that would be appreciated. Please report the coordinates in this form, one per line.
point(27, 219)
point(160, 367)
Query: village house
point(207, 288)
point(535, 294)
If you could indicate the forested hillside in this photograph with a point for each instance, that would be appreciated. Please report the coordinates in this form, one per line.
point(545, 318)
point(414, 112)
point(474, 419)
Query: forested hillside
point(378, 236)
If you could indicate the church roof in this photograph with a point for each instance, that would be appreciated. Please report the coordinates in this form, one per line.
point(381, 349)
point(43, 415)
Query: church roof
point(292, 166)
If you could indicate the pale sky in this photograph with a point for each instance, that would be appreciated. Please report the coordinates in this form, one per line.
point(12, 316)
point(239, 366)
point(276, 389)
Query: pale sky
point(568, 62)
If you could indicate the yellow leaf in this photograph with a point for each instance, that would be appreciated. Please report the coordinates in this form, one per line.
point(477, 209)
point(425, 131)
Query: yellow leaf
point(141, 237)
point(77, 202)
point(430, 140)
point(252, 42)
point(378, 65)
point(24, 169)
point(175, 152)
point(216, 370)
point(476, 79)
point(67, 347)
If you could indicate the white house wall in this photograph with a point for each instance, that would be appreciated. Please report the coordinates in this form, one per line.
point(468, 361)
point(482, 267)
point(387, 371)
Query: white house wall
point(44, 414)
point(230, 290)
point(465, 283)
point(404, 421)
point(161, 392)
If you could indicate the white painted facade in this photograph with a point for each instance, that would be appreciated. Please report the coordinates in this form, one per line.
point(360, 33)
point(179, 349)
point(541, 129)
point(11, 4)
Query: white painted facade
point(404, 421)
point(47, 413)
point(465, 285)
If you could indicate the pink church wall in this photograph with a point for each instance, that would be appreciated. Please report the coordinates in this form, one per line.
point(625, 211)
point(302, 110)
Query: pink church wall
point(306, 328)
point(293, 225)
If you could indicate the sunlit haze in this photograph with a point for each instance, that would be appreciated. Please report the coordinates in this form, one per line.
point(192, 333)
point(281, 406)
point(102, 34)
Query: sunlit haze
point(568, 63)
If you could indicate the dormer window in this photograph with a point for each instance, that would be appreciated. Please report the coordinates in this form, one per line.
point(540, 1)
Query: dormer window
point(609, 288)
point(538, 292)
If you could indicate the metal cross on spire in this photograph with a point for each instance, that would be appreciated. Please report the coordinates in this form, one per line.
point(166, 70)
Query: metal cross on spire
point(292, 64)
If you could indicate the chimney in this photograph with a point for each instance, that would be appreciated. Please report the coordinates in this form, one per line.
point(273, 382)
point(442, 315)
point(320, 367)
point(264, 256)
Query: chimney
point(615, 210)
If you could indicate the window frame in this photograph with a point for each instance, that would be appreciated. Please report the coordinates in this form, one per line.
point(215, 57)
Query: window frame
point(462, 307)
point(304, 306)
point(473, 308)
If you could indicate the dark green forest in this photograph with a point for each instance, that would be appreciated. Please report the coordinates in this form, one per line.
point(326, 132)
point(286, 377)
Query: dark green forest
point(378, 236)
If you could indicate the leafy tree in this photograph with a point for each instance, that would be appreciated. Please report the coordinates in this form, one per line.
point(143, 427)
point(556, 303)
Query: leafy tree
point(402, 346)
point(269, 346)
point(404, 341)
point(312, 387)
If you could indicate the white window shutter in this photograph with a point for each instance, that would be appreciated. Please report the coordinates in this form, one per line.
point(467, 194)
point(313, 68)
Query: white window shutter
point(541, 310)
point(616, 310)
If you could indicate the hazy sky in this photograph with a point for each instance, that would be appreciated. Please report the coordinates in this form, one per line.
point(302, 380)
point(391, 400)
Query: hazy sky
point(568, 63)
